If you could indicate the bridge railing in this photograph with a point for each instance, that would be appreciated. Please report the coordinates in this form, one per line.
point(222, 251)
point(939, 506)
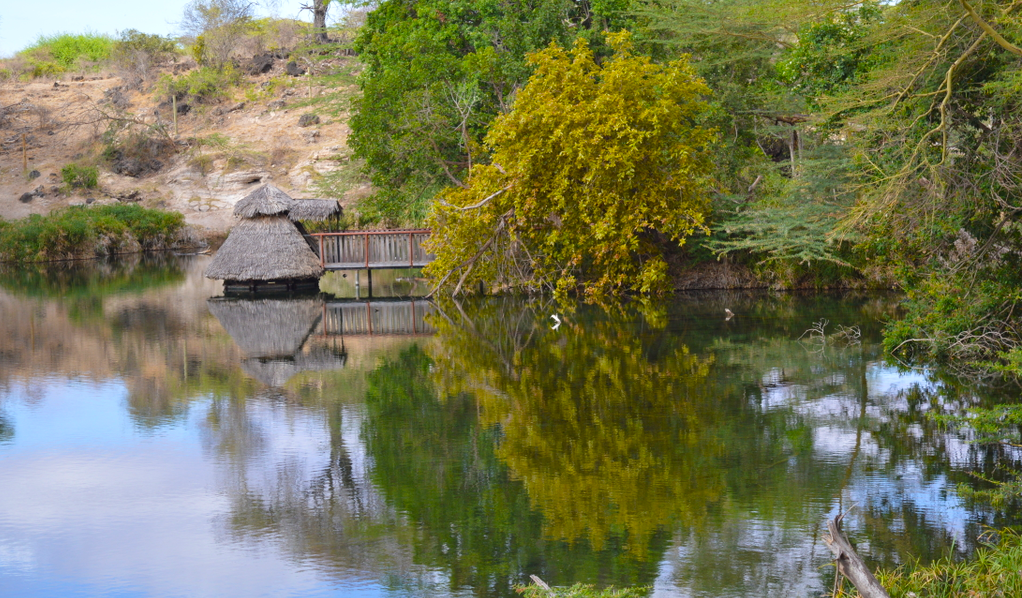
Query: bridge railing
point(353, 250)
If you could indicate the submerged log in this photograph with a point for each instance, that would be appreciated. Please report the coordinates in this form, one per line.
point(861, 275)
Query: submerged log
point(850, 564)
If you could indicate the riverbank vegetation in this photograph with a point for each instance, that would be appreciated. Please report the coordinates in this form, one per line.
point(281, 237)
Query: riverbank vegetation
point(993, 571)
point(83, 232)
point(858, 144)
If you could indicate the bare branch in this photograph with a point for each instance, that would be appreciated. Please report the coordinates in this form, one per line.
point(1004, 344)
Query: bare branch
point(478, 204)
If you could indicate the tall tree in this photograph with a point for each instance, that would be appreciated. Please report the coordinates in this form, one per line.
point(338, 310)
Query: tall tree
point(318, 8)
point(436, 74)
point(781, 172)
point(936, 133)
point(593, 168)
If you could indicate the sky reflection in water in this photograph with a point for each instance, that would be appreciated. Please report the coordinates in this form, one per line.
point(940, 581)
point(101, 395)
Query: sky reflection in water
point(661, 446)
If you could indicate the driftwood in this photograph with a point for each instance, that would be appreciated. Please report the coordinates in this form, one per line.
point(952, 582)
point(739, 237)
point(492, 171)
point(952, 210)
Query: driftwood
point(850, 564)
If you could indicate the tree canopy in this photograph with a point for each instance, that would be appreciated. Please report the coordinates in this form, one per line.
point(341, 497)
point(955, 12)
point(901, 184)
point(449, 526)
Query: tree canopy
point(594, 167)
point(436, 75)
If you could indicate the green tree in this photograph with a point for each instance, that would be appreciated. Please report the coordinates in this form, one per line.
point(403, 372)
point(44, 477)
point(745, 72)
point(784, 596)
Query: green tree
point(595, 167)
point(436, 74)
point(934, 129)
point(782, 172)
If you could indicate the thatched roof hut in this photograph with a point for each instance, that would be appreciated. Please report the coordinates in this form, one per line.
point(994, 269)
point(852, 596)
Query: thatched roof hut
point(264, 201)
point(314, 209)
point(267, 249)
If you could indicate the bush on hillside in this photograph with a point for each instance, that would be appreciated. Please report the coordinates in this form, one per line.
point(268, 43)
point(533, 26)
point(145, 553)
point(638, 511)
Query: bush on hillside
point(216, 26)
point(137, 55)
point(56, 54)
point(80, 177)
point(205, 84)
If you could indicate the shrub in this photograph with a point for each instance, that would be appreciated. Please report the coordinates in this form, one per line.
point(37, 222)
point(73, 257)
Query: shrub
point(136, 152)
point(203, 84)
point(216, 26)
point(56, 54)
point(86, 232)
point(136, 55)
point(75, 176)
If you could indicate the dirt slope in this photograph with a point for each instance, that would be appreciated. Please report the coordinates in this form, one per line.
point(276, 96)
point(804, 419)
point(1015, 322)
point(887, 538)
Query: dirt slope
point(223, 150)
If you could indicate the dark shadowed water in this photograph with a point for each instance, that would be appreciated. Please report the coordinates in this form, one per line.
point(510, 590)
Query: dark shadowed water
point(154, 442)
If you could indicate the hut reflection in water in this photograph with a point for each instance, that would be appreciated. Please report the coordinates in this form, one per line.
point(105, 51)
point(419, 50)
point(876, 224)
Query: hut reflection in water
point(272, 333)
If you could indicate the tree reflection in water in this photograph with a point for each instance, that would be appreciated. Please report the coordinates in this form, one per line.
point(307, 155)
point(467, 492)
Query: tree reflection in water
point(651, 445)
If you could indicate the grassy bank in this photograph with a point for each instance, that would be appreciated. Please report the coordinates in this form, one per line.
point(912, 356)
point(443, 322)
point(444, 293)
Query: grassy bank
point(83, 232)
point(994, 571)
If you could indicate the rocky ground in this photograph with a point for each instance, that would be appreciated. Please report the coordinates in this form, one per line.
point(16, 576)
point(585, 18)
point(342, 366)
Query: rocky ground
point(220, 152)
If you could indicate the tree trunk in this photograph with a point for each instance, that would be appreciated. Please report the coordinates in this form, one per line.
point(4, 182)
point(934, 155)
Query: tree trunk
point(319, 20)
point(850, 564)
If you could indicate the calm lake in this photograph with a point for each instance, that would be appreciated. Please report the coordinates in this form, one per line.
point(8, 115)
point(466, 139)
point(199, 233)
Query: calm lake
point(156, 440)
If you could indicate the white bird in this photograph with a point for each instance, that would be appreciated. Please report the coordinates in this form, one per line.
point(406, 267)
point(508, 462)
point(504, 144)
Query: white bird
point(730, 314)
point(556, 319)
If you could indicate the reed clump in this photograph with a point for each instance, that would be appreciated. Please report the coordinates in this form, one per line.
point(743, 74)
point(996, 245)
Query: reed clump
point(994, 571)
point(84, 232)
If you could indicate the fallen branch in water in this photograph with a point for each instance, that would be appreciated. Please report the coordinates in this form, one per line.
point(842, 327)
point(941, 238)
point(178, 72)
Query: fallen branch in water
point(850, 564)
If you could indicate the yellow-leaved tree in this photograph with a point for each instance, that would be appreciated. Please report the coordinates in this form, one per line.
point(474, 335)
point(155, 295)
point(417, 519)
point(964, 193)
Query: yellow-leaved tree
point(596, 166)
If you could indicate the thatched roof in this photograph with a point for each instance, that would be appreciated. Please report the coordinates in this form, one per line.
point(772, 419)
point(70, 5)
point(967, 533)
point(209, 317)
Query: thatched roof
point(264, 248)
point(314, 209)
point(267, 328)
point(276, 372)
point(264, 201)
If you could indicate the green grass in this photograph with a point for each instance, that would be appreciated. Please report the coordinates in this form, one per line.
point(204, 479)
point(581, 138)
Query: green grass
point(581, 591)
point(85, 232)
point(994, 571)
point(53, 55)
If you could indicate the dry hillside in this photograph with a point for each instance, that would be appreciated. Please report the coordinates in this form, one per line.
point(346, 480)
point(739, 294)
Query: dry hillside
point(221, 150)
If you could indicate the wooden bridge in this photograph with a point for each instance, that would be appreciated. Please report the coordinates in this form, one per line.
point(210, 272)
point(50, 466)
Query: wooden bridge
point(372, 250)
point(376, 318)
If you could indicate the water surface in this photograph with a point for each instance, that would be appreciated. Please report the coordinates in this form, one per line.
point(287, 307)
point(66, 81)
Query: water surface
point(156, 440)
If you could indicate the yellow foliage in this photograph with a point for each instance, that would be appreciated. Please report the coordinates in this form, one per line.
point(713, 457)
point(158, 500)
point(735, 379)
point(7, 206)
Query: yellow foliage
point(592, 164)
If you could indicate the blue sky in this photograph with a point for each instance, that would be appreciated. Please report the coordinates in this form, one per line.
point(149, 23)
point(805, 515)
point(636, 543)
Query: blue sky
point(22, 22)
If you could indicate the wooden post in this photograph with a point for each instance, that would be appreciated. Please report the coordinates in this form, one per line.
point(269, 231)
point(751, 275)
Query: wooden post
point(850, 564)
point(367, 250)
point(411, 253)
point(322, 256)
